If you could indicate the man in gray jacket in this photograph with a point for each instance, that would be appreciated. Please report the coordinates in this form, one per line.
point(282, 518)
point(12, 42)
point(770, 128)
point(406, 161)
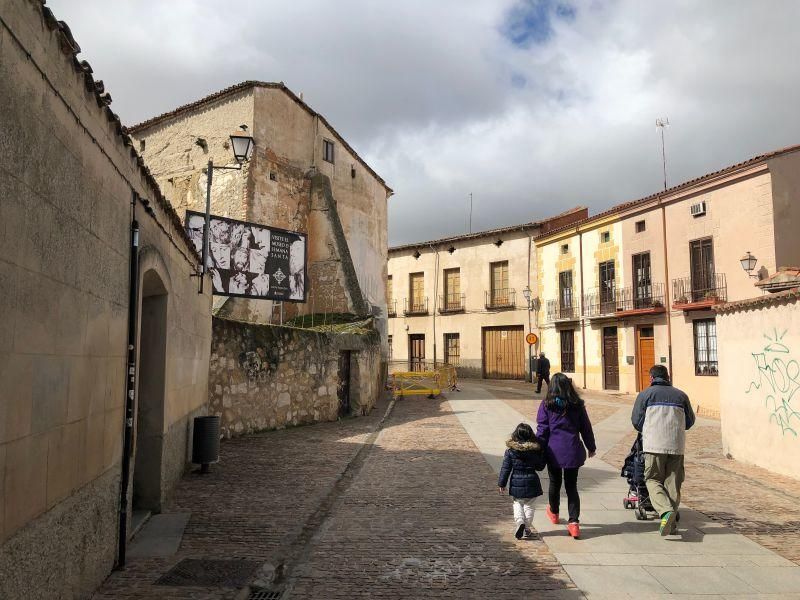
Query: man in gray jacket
point(662, 414)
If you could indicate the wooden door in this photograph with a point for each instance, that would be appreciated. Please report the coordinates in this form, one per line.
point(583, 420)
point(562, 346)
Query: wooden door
point(645, 355)
point(416, 352)
point(452, 289)
point(499, 283)
point(610, 359)
point(701, 254)
point(642, 282)
point(416, 292)
point(504, 352)
point(607, 288)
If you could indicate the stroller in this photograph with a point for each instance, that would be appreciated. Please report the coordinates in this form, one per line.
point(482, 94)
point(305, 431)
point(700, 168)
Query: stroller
point(633, 470)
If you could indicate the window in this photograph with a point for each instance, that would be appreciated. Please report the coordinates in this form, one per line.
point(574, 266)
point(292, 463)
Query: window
point(565, 249)
point(607, 287)
point(389, 290)
point(390, 347)
point(705, 347)
point(605, 237)
point(565, 289)
point(568, 350)
point(642, 283)
point(416, 284)
point(499, 277)
point(327, 150)
point(452, 349)
point(640, 226)
point(701, 256)
point(452, 289)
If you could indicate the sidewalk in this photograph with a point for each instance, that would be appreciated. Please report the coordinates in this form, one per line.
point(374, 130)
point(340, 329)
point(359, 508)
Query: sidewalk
point(618, 556)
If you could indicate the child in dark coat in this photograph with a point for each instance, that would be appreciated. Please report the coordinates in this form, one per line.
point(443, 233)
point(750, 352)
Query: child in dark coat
point(524, 456)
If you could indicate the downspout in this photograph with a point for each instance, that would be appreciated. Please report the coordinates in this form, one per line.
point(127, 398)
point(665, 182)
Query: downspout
point(583, 324)
point(130, 385)
point(435, 299)
point(530, 304)
point(666, 287)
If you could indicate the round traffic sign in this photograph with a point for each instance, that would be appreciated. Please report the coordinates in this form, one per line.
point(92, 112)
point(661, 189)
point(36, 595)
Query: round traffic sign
point(531, 338)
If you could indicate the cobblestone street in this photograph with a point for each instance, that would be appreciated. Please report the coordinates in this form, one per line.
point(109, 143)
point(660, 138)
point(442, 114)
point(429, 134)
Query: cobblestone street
point(405, 506)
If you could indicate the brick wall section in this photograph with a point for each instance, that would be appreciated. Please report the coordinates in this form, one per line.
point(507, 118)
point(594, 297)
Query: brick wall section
point(268, 377)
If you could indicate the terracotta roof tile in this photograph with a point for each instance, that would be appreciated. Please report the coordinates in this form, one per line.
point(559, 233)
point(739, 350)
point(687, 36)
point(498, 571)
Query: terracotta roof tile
point(762, 301)
point(246, 85)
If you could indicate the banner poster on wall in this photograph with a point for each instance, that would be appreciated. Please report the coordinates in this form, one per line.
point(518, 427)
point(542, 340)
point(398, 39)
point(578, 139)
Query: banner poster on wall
point(248, 260)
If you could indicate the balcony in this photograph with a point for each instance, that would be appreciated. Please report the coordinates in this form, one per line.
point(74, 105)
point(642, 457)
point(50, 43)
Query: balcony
point(699, 294)
point(415, 307)
point(451, 303)
point(599, 303)
point(391, 308)
point(558, 311)
point(640, 300)
point(502, 298)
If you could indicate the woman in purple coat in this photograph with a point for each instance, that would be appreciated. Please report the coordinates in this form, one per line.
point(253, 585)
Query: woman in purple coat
point(562, 423)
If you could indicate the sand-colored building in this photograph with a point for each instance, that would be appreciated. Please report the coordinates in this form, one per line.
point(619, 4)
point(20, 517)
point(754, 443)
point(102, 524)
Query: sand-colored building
point(636, 285)
point(302, 176)
point(71, 184)
point(461, 299)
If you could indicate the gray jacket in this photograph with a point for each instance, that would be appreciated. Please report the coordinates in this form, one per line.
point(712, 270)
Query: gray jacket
point(663, 414)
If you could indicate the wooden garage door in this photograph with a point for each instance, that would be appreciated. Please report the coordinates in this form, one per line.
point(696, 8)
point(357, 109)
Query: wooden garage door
point(504, 352)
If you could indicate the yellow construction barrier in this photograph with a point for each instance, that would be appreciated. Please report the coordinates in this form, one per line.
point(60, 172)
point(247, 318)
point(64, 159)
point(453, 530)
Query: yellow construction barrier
point(424, 383)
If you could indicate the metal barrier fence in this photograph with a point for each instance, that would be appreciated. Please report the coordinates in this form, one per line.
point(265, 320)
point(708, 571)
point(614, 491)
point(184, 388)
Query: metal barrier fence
point(429, 383)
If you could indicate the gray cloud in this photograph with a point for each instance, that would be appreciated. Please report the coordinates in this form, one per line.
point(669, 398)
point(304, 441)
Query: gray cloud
point(534, 106)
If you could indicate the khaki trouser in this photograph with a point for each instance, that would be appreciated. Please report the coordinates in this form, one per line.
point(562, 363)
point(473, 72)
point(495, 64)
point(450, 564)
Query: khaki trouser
point(664, 474)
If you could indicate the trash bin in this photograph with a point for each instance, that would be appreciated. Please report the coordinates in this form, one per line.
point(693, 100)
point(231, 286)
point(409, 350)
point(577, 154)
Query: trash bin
point(205, 441)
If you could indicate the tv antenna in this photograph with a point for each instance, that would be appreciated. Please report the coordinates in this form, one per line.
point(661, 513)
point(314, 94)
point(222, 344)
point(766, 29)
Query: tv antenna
point(470, 212)
point(662, 124)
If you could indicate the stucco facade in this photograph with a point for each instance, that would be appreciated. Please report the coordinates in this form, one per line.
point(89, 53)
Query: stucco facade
point(675, 256)
point(460, 321)
point(68, 176)
point(759, 397)
point(347, 231)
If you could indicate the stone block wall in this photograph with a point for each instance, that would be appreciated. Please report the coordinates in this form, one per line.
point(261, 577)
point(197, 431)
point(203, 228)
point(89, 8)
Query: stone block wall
point(266, 377)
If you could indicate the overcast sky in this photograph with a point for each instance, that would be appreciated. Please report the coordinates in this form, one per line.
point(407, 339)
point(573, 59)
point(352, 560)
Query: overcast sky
point(533, 106)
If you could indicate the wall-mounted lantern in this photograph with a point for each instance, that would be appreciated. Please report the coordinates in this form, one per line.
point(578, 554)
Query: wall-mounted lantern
point(749, 264)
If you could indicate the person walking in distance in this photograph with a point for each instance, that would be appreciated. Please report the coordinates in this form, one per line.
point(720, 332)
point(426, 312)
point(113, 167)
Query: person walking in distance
point(663, 414)
point(562, 424)
point(523, 457)
point(542, 372)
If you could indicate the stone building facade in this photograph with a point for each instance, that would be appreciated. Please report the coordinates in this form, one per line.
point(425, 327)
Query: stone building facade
point(68, 179)
point(460, 300)
point(302, 176)
point(637, 284)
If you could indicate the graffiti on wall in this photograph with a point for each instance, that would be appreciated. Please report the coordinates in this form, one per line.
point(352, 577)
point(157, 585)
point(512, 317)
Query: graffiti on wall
point(777, 382)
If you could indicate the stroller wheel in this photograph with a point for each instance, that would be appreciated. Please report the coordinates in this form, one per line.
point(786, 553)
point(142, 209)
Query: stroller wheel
point(626, 503)
point(641, 514)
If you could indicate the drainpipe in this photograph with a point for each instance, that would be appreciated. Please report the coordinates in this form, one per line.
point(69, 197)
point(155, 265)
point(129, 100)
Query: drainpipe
point(583, 331)
point(530, 301)
point(130, 385)
point(435, 299)
point(666, 287)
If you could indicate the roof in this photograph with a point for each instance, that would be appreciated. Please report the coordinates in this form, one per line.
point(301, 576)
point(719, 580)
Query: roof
point(488, 232)
point(96, 88)
point(680, 187)
point(247, 85)
point(766, 300)
point(783, 278)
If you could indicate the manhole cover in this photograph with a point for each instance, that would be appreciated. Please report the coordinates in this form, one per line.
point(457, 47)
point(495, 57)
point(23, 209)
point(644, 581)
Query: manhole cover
point(262, 594)
point(210, 573)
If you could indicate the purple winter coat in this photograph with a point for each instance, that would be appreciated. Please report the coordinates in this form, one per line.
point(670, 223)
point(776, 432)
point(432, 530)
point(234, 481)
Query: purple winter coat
point(561, 431)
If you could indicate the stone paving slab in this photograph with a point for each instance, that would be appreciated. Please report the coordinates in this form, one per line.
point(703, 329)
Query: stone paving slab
point(617, 552)
point(161, 536)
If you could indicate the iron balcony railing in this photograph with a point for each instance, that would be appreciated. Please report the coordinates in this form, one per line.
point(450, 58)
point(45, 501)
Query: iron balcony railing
point(416, 306)
point(501, 298)
point(391, 308)
point(600, 303)
point(561, 311)
point(451, 303)
point(709, 289)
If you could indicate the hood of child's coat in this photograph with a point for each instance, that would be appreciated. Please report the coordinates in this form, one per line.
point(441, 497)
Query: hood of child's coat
point(523, 446)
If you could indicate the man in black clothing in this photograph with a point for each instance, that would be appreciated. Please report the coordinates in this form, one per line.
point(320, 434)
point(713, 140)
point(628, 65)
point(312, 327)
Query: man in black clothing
point(542, 372)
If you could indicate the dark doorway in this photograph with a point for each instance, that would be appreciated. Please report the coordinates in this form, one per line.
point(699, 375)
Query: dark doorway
point(416, 352)
point(610, 359)
point(150, 399)
point(343, 389)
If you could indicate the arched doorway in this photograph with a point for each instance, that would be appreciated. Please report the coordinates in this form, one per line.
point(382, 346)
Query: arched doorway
point(149, 431)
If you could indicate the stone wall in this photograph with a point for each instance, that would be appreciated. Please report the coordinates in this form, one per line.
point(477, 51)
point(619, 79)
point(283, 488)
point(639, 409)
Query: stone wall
point(267, 377)
point(67, 177)
point(759, 368)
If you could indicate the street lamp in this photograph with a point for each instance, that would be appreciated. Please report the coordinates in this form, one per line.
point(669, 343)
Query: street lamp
point(242, 145)
point(748, 264)
point(527, 295)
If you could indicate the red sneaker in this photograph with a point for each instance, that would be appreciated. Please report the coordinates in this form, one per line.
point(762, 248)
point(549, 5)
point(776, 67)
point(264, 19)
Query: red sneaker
point(552, 516)
point(574, 529)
